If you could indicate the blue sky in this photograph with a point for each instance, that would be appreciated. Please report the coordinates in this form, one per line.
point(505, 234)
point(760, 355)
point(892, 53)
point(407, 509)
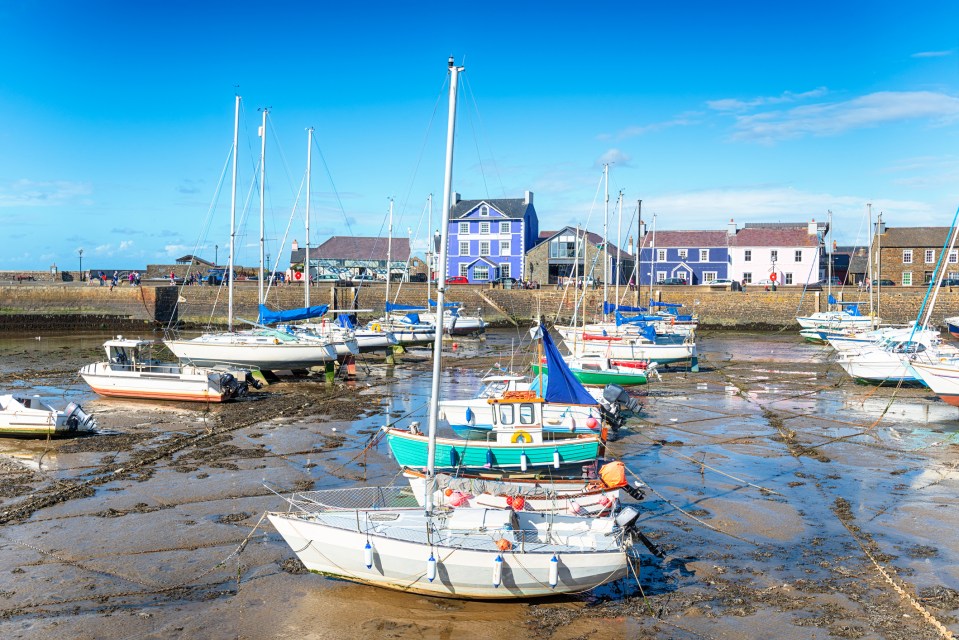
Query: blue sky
point(118, 117)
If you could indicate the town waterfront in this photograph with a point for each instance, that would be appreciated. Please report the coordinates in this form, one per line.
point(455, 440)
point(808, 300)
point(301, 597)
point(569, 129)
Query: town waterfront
point(790, 503)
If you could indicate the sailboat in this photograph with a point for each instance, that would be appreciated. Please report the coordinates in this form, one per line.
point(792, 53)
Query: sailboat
point(261, 347)
point(381, 536)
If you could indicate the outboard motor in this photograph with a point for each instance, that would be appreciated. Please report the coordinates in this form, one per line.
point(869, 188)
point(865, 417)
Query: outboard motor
point(617, 396)
point(626, 519)
point(252, 381)
point(233, 387)
point(78, 419)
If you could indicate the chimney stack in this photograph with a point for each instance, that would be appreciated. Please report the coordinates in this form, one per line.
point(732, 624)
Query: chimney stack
point(813, 228)
point(295, 246)
point(529, 197)
point(731, 230)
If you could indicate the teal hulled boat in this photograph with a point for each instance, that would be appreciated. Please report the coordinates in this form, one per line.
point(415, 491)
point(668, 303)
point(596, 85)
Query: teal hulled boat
point(512, 449)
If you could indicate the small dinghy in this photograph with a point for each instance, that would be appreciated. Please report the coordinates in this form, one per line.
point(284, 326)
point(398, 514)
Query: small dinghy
point(31, 417)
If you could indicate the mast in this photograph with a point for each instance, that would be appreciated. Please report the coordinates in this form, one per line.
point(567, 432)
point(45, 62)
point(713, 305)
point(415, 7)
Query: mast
point(869, 261)
point(619, 247)
point(389, 251)
point(606, 241)
point(441, 284)
point(653, 261)
point(576, 278)
point(638, 269)
point(878, 264)
point(306, 261)
point(829, 256)
point(229, 273)
point(262, 201)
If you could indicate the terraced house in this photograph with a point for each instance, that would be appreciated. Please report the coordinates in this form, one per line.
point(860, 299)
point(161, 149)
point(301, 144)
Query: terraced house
point(696, 257)
point(488, 239)
point(908, 255)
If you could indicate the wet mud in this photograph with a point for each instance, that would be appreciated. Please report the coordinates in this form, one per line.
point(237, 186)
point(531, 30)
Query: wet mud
point(790, 502)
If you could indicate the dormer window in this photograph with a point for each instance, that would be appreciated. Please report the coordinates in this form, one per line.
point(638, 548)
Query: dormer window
point(484, 210)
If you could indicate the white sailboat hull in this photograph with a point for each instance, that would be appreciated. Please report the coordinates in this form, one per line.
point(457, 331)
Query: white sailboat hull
point(156, 382)
point(334, 543)
point(252, 352)
point(942, 379)
point(836, 320)
point(631, 349)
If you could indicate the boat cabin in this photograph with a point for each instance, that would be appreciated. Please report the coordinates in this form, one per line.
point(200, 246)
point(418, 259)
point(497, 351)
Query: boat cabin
point(129, 352)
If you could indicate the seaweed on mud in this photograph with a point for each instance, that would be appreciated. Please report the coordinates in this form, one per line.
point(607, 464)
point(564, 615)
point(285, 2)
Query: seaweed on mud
point(231, 518)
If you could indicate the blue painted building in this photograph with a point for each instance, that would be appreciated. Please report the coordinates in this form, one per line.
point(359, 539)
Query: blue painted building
point(488, 239)
point(697, 257)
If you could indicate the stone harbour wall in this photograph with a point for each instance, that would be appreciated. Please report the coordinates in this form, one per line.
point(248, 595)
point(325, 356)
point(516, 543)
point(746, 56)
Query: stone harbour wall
point(80, 306)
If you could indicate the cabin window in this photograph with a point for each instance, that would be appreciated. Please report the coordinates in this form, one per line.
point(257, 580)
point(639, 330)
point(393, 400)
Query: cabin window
point(907, 278)
point(504, 227)
point(464, 228)
point(526, 414)
point(747, 255)
point(704, 255)
point(907, 256)
point(465, 248)
point(930, 256)
point(507, 414)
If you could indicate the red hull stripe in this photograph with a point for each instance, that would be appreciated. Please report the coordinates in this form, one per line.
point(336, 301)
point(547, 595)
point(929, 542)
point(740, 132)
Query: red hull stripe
point(158, 395)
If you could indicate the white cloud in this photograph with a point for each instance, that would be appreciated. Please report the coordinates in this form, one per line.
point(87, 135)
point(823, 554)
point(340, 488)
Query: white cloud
point(125, 245)
point(733, 104)
point(27, 193)
point(614, 156)
point(834, 118)
point(176, 250)
point(933, 54)
point(681, 120)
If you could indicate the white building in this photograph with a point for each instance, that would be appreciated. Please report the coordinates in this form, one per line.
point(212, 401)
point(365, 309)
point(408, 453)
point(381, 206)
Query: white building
point(790, 251)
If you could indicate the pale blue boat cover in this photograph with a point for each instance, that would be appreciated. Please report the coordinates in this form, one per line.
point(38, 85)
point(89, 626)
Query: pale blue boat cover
point(852, 308)
point(563, 385)
point(390, 306)
point(268, 316)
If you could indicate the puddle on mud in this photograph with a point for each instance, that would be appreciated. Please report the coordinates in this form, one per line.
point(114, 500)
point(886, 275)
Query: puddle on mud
point(768, 476)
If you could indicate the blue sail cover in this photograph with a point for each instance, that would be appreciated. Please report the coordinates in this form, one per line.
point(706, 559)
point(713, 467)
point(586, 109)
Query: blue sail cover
point(832, 299)
point(852, 308)
point(268, 316)
point(445, 304)
point(403, 307)
point(609, 307)
point(648, 330)
point(344, 321)
point(563, 385)
point(668, 305)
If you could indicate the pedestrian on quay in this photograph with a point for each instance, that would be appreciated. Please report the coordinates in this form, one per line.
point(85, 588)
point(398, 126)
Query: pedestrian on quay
point(172, 277)
point(102, 279)
point(130, 278)
point(742, 285)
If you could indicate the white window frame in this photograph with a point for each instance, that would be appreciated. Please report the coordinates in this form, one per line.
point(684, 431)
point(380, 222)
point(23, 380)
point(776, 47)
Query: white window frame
point(748, 277)
point(660, 275)
point(907, 278)
point(504, 269)
point(682, 275)
point(907, 256)
point(464, 270)
point(953, 256)
point(504, 227)
point(704, 255)
point(930, 256)
point(464, 228)
point(660, 255)
point(709, 276)
point(464, 247)
point(484, 210)
point(504, 248)
point(484, 247)
point(481, 272)
point(484, 228)
point(774, 255)
point(683, 254)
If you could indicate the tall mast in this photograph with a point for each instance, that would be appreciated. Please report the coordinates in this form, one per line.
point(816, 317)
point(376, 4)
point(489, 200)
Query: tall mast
point(878, 263)
point(309, 169)
point(638, 269)
point(441, 283)
point(576, 278)
point(389, 250)
point(229, 273)
point(606, 240)
point(262, 201)
point(619, 247)
point(829, 256)
point(653, 261)
point(869, 260)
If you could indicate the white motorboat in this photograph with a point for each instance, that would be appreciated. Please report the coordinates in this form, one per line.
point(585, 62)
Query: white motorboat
point(22, 415)
point(635, 348)
point(130, 371)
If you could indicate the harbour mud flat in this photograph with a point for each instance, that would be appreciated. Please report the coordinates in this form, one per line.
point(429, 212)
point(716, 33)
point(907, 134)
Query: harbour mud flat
point(790, 502)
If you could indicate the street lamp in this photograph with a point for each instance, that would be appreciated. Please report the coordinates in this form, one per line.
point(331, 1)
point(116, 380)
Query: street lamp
point(80, 252)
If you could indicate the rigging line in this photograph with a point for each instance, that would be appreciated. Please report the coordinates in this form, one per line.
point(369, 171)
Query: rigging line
point(479, 117)
point(419, 159)
point(479, 155)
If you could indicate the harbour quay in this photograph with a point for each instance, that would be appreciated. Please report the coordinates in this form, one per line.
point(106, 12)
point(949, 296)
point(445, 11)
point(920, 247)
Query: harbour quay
point(30, 305)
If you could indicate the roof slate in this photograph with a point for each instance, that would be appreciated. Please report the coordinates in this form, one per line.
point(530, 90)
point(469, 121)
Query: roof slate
point(592, 238)
point(932, 237)
point(686, 239)
point(510, 207)
point(355, 248)
point(773, 237)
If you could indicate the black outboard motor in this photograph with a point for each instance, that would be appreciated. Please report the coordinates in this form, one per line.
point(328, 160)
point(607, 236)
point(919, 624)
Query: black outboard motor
point(252, 381)
point(234, 388)
point(617, 395)
point(78, 419)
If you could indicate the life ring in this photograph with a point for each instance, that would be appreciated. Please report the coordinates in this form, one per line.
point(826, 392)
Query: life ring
point(376, 327)
point(298, 275)
point(521, 436)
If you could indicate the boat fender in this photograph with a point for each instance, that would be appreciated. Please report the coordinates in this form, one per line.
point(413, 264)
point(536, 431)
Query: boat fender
point(489, 458)
point(519, 502)
point(431, 568)
point(368, 555)
point(521, 436)
point(497, 570)
point(556, 458)
point(603, 433)
point(457, 498)
point(553, 571)
point(470, 418)
point(503, 545)
point(454, 458)
point(592, 423)
point(523, 461)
